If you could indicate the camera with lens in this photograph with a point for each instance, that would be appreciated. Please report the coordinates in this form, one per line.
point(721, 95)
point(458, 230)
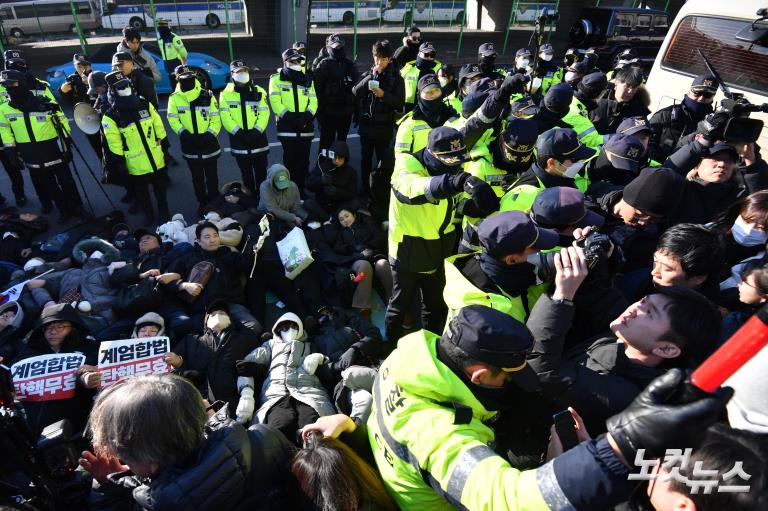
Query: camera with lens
point(40, 473)
point(596, 247)
point(739, 128)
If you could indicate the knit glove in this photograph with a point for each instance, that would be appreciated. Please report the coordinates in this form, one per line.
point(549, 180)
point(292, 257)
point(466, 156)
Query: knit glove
point(245, 406)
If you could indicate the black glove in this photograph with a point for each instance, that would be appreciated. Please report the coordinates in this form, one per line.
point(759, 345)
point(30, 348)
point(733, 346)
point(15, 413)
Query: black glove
point(250, 368)
point(655, 422)
point(329, 190)
point(346, 359)
point(712, 127)
point(482, 194)
point(458, 180)
point(512, 84)
point(326, 179)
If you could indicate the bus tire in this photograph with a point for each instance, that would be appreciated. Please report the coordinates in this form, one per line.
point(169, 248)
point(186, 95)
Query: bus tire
point(212, 21)
point(137, 24)
point(17, 33)
point(203, 78)
point(348, 18)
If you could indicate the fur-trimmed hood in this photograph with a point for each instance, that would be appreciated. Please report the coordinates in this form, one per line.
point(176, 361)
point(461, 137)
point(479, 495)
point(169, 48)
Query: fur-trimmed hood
point(83, 249)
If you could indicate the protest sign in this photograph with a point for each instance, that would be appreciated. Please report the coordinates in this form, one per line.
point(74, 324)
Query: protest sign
point(46, 377)
point(132, 357)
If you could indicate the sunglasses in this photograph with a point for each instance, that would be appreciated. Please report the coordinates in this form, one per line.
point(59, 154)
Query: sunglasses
point(703, 94)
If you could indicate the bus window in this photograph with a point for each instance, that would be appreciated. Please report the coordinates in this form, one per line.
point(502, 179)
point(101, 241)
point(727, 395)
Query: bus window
point(739, 65)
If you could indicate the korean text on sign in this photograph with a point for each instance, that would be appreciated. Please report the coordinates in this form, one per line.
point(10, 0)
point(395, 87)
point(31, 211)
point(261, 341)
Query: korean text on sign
point(46, 377)
point(132, 357)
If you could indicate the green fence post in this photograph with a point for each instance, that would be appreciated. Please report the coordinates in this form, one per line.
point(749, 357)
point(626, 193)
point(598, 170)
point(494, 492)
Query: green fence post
point(512, 16)
point(2, 36)
point(450, 21)
point(83, 42)
point(666, 6)
point(229, 31)
point(461, 31)
point(410, 14)
point(354, 36)
point(39, 25)
point(431, 15)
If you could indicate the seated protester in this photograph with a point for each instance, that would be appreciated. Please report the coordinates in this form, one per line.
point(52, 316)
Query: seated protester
point(347, 339)
point(213, 272)
point(136, 298)
point(722, 450)
point(150, 324)
point(618, 161)
point(330, 475)
point(11, 333)
point(236, 202)
point(91, 282)
point(155, 447)
point(333, 182)
point(209, 359)
point(687, 255)
point(753, 293)
point(745, 227)
point(676, 327)
point(499, 276)
point(635, 215)
point(559, 159)
point(61, 330)
point(292, 395)
point(279, 196)
point(358, 247)
point(714, 178)
point(628, 99)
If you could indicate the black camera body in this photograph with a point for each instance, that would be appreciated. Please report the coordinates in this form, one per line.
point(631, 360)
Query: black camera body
point(596, 246)
point(740, 128)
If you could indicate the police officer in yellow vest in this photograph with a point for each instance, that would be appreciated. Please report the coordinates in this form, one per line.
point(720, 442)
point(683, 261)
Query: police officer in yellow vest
point(172, 49)
point(559, 162)
point(193, 114)
point(134, 139)
point(433, 401)
point(294, 103)
point(499, 276)
point(588, 90)
point(245, 114)
point(426, 63)
point(545, 71)
point(36, 131)
point(421, 231)
point(431, 111)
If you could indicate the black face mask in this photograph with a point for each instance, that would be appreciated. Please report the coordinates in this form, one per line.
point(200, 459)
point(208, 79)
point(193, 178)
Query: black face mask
point(522, 163)
point(336, 53)
point(487, 64)
point(18, 95)
point(413, 44)
point(700, 110)
point(127, 102)
point(431, 107)
point(424, 64)
point(435, 167)
point(187, 84)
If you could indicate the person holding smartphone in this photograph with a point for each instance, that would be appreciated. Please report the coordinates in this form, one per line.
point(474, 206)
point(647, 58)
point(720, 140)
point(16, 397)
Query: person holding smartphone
point(382, 94)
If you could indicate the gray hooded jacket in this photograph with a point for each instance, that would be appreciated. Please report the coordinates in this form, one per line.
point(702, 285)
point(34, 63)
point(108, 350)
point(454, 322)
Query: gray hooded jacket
point(284, 204)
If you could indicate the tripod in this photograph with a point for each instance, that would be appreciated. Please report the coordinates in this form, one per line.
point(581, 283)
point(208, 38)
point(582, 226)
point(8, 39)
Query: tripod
point(68, 142)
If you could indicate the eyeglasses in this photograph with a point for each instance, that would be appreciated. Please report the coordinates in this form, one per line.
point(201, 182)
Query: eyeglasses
point(58, 326)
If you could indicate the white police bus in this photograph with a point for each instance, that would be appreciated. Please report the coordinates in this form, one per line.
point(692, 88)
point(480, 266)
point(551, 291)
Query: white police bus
point(136, 13)
point(424, 11)
point(330, 11)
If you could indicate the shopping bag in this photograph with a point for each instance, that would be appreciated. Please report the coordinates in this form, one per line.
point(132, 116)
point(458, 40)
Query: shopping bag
point(294, 253)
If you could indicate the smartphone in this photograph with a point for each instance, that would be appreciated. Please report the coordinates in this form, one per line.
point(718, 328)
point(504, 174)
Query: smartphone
point(565, 427)
point(373, 84)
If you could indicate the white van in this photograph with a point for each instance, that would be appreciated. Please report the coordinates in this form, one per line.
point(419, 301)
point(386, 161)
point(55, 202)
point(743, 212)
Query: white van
point(721, 31)
point(22, 18)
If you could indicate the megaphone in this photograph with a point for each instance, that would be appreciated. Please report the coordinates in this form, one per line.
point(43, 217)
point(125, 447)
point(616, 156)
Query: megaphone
point(87, 118)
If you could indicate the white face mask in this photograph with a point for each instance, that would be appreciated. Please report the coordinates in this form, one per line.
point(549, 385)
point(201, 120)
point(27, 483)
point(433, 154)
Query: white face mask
point(289, 335)
point(523, 63)
point(218, 322)
point(570, 76)
point(294, 67)
point(746, 234)
point(443, 81)
point(241, 77)
point(546, 56)
point(124, 92)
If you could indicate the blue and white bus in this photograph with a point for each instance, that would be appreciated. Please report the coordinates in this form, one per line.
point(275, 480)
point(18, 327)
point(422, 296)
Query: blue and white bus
point(136, 13)
point(424, 11)
point(331, 11)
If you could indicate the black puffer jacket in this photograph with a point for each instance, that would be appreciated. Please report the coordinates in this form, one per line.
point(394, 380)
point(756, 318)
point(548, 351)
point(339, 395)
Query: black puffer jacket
point(668, 127)
point(333, 186)
point(212, 359)
point(609, 113)
point(234, 470)
point(377, 115)
point(76, 409)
